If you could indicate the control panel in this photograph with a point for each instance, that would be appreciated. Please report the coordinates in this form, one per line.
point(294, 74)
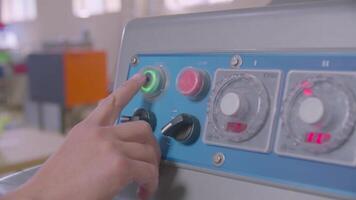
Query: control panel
point(283, 119)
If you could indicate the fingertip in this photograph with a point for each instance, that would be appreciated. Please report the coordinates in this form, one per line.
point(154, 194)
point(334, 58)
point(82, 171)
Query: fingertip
point(140, 78)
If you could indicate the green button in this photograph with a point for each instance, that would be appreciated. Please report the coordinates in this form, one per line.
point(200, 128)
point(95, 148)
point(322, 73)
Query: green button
point(153, 83)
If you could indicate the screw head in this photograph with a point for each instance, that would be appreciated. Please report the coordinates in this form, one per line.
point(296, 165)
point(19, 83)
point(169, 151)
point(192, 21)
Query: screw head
point(134, 60)
point(218, 159)
point(236, 61)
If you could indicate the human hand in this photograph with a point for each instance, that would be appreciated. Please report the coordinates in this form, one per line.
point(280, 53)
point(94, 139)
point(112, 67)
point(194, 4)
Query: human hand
point(98, 159)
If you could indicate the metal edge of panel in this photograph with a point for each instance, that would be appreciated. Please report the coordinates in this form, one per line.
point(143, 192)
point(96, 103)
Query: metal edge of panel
point(255, 181)
point(123, 60)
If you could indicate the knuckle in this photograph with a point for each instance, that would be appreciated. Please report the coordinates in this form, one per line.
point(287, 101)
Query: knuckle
point(98, 132)
point(110, 102)
point(102, 102)
point(106, 100)
point(121, 162)
point(117, 101)
point(108, 147)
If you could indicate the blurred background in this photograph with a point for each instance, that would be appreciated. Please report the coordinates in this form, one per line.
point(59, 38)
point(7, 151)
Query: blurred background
point(58, 58)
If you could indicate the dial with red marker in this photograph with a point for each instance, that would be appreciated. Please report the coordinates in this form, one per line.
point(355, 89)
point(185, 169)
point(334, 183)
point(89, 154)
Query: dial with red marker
point(319, 113)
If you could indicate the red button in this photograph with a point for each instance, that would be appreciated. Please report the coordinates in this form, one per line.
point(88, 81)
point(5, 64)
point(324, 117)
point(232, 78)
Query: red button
point(190, 82)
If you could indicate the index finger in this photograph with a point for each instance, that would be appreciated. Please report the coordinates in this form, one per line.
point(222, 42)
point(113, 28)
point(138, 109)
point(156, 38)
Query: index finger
point(108, 109)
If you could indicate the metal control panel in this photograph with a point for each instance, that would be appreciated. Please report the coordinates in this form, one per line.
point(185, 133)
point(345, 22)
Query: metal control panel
point(280, 118)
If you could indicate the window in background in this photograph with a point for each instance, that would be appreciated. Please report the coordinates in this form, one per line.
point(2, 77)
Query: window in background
point(8, 40)
point(87, 8)
point(18, 10)
point(175, 5)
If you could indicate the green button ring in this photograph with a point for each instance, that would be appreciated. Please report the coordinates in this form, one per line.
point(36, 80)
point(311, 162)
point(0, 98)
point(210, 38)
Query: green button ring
point(153, 84)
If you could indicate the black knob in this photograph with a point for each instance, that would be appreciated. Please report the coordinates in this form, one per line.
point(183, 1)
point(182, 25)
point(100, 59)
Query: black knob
point(142, 114)
point(184, 128)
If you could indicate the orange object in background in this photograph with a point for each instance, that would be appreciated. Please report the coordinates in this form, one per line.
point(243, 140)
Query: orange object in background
point(61, 80)
point(85, 77)
point(69, 79)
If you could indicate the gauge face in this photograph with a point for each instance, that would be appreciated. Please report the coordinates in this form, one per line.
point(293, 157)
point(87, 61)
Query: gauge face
point(240, 107)
point(319, 114)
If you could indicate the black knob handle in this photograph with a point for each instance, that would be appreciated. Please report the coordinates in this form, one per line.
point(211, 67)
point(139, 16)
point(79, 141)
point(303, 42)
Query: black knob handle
point(184, 128)
point(142, 114)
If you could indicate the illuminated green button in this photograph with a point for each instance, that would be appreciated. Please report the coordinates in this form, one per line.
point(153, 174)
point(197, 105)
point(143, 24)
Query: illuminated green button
point(154, 81)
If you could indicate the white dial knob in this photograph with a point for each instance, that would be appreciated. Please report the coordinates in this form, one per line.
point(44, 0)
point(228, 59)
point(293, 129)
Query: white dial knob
point(230, 104)
point(311, 110)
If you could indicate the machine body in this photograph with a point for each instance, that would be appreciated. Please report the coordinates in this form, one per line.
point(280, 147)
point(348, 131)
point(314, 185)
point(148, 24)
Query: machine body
point(280, 47)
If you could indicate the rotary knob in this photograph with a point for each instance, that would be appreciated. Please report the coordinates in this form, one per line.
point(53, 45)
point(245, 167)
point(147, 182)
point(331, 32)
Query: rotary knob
point(319, 113)
point(142, 114)
point(239, 107)
point(184, 128)
point(311, 110)
point(232, 104)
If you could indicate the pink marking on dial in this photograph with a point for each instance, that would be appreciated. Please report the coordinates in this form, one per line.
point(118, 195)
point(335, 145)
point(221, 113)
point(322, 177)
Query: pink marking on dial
point(236, 127)
point(308, 92)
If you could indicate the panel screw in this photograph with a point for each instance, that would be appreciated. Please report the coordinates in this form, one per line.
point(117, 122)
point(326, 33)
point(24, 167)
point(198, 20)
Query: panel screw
point(236, 62)
point(134, 60)
point(218, 159)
